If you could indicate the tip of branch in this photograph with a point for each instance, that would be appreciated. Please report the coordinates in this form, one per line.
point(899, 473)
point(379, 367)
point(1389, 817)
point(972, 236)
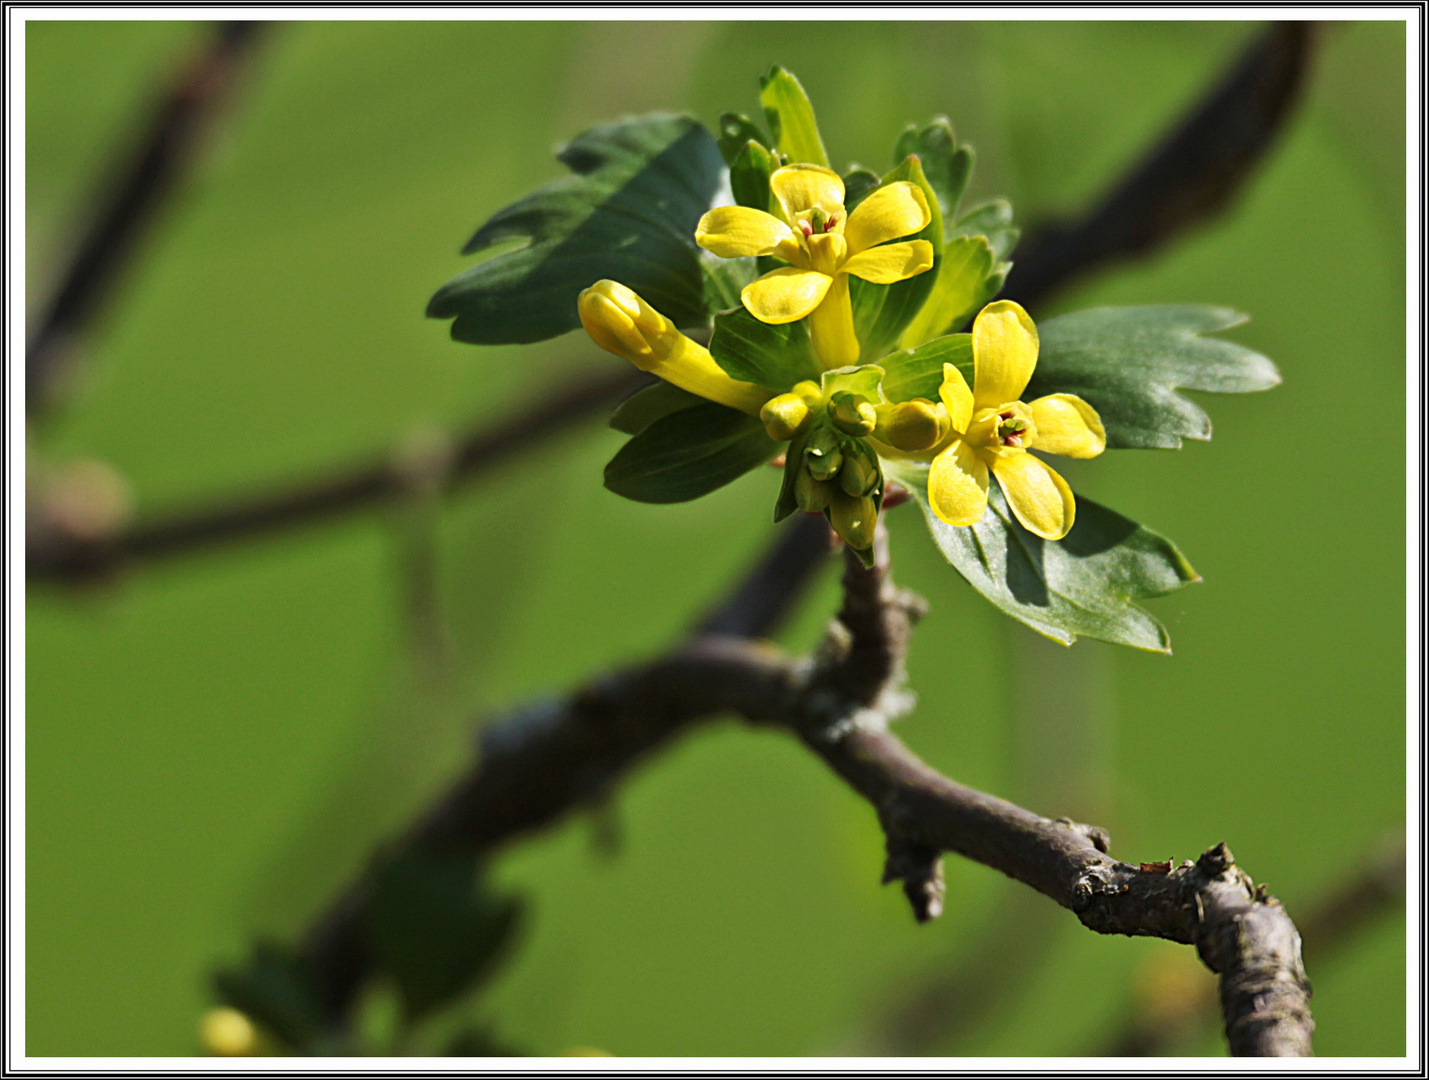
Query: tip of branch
point(1215, 861)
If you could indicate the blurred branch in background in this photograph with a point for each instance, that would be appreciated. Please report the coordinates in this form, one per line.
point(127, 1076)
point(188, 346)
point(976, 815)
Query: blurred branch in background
point(1174, 1006)
point(560, 754)
point(1194, 174)
point(128, 199)
point(1196, 170)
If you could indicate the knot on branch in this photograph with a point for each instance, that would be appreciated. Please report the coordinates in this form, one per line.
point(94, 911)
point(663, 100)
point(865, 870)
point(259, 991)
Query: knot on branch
point(920, 869)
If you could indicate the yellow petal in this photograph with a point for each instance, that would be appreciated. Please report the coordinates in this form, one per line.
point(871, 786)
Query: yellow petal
point(890, 212)
point(1004, 353)
point(891, 262)
point(957, 485)
point(957, 397)
point(785, 295)
point(1067, 425)
point(620, 321)
point(802, 188)
point(1039, 497)
point(831, 327)
point(732, 231)
point(826, 253)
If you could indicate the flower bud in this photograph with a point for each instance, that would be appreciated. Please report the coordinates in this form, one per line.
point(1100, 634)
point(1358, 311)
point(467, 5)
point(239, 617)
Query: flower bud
point(859, 475)
point(854, 519)
point(914, 425)
point(853, 415)
point(813, 496)
point(810, 391)
point(784, 416)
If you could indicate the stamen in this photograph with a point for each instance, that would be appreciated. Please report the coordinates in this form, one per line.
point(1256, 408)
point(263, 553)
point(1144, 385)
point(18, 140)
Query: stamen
point(828, 225)
point(806, 228)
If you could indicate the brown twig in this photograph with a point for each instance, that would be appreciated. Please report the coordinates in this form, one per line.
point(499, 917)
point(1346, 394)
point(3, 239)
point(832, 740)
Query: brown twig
point(1190, 177)
point(131, 196)
point(61, 555)
point(560, 755)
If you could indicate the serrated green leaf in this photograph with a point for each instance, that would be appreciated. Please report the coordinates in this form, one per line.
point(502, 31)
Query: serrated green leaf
point(947, 165)
point(862, 380)
point(859, 183)
point(882, 312)
point(651, 403)
point(689, 454)
point(735, 130)
point(749, 177)
point(993, 220)
point(966, 281)
point(434, 926)
point(628, 213)
point(767, 355)
point(918, 373)
point(1085, 584)
point(1128, 363)
point(790, 116)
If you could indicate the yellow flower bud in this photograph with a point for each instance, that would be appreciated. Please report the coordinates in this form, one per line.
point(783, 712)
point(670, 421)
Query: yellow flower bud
point(811, 495)
point(810, 391)
point(619, 321)
point(228, 1033)
point(859, 475)
point(853, 415)
point(784, 416)
point(913, 425)
point(854, 519)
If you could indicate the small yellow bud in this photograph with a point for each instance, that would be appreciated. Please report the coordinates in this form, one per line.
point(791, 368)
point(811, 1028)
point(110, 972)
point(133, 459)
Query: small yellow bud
point(813, 496)
point(784, 416)
point(853, 415)
point(913, 425)
point(854, 520)
point(810, 391)
point(228, 1033)
point(620, 322)
point(859, 475)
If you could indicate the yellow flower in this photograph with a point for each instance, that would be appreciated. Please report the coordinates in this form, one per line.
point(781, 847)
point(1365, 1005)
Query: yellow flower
point(823, 245)
point(992, 428)
point(619, 321)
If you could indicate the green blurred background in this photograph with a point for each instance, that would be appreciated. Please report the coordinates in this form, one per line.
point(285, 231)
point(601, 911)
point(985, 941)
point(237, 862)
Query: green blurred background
point(215, 742)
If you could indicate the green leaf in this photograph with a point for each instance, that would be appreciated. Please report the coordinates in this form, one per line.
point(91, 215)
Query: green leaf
point(967, 279)
point(859, 183)
point(433, 926)
point(628, 213)
point(725, 279)
point(1128, 363)
point(881, 312)
point(947, 165)
point(278, 992)
point(775, 357)
point(993, 220)
point(862, 380)
point(749, 176)
point(786, 504)
point(918, 373)
point(689, 454)
point(651, 403)
point(1087, 583)
point(735, 130)
point(791, 118)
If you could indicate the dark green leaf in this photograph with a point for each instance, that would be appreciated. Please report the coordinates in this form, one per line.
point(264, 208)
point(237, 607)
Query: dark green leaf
point(689, 454)
point(786, 504)
point(1128, 363)
point(725, 279)
point(629, 214)
point(967, 279)
point(434, 927)
point(947, 165)
point(772, 356)
point(858, 184)
point(277, 991)
point(736, 129)
point(651, 403)
point(1087, 583)
point(992, 219)
point(881, 312)
point(791, 118)
point(917, 373)
point(749, 176)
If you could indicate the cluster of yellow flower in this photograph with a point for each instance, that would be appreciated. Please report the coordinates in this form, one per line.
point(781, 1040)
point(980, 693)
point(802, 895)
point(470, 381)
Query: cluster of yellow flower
point(842, 429)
